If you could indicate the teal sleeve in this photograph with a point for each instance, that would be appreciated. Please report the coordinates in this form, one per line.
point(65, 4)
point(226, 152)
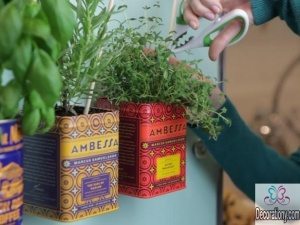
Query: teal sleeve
point(245, 157)
point(288, 10)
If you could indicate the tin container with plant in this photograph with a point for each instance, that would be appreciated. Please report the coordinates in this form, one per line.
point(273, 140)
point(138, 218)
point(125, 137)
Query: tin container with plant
point(84, 142)
point(156, 95)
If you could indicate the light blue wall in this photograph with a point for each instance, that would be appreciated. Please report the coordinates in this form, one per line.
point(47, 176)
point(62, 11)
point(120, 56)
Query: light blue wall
point(197, 204)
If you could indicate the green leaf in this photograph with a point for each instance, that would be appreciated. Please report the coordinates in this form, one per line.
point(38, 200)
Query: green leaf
point(48, 117)
point(21, 58)
point(11, 28)
point(44, 77)
point(61, 19)
point(92, 6)
point(31, 120)
point(51, 46)
point(37, 27)
point(32, 8)
point(10, 96)
point(36, 100)
point(40, 29)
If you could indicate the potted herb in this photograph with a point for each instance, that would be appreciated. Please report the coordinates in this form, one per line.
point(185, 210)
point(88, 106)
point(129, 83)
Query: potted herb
point(83, 142)
point(32, 34)
point(155, 97)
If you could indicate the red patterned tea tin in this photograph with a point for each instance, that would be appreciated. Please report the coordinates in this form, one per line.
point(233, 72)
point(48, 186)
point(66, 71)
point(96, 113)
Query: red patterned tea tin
point(72, 172)
point(11, 173)
point(152, 149)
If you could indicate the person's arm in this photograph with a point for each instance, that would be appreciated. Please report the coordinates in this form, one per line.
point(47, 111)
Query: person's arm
point(288, 10)
point(246, 158)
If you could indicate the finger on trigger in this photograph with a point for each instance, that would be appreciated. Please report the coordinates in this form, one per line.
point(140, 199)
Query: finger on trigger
point(224, 38)
point(200, 10)
point(190, 17)
point(214, 6)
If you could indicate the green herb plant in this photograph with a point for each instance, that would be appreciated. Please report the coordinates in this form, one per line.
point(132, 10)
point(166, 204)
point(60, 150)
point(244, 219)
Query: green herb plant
point(82, 62)
point(32, 35)
point(142, 76)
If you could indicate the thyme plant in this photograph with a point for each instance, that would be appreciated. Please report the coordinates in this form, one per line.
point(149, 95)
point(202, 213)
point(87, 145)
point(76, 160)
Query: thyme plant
point(141, 77)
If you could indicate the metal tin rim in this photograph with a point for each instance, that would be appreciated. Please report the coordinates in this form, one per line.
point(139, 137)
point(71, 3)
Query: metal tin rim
point(7, 120)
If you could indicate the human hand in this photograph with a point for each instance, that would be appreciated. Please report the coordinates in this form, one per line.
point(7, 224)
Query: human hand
point(195, 9)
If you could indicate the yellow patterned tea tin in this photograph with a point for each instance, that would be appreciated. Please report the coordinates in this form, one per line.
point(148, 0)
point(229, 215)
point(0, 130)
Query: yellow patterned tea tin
point(72, 172)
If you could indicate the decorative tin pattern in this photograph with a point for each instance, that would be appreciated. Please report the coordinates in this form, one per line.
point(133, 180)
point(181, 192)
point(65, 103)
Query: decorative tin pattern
point(152, 149)
point(11, 173)
point(88, 165)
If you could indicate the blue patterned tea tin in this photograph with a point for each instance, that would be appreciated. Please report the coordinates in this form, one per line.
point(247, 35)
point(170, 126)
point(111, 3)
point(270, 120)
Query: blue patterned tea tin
point(11, 173)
